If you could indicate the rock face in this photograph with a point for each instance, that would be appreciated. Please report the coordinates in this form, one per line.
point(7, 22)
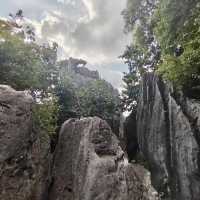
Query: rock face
point(168, 129)
point(23, 153)
point(130, 134)
point(90, 165)
point(79, 77)
point(76, 70)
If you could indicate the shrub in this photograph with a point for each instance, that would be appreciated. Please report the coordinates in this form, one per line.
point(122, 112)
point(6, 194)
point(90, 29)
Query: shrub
point(46, 116)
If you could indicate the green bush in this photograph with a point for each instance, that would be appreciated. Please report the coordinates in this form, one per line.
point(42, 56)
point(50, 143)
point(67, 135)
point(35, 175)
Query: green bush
point(46, 116)
point(98, 98)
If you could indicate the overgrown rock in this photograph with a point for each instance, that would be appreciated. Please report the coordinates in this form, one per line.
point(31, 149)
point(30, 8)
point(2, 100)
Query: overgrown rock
point(88, 163)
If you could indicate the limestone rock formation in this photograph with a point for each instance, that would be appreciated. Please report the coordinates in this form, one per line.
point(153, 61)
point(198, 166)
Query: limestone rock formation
point(168, 129)
point(90, 165)
point(75, 69)
point(72, 71)
point(23, 151)
point(130, 134)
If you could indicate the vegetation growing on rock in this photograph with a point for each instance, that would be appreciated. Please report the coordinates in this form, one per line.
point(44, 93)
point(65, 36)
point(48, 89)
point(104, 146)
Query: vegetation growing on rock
point(159, 28)
point(27, 65)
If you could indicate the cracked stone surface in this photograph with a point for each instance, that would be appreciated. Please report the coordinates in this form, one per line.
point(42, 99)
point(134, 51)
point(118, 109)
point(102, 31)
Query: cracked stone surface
point(169, 136)
point(90, 165)
point(24, 153)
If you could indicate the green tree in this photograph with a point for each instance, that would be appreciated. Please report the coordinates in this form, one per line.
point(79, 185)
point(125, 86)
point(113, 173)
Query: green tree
point(158, 28)
point(29, 66)
point(178, 24)
point(25, 66)
point(144, 52)
point(170, 19)
point(98, 98)
point(67, 100)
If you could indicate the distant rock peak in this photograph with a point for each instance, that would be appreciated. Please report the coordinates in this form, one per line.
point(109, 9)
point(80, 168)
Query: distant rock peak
point(78, 66)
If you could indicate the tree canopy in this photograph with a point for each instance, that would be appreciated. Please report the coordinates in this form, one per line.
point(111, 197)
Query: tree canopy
point(27, 65)
point(158, 28)
point(24, 65)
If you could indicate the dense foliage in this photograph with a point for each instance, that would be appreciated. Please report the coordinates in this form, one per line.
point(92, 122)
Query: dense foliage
point(46, 115)
point(23, 65)
point(95, 98)
point(67, 101)
point(99, 99)
point(159, 28)
point(144, 52)
point(26, 65)
point(184, 70)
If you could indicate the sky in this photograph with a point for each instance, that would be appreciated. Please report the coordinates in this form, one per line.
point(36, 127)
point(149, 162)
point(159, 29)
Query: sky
point(86, 29)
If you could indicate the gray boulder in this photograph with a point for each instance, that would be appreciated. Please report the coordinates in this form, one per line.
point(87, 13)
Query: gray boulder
point(90, 165)
point(24, 151)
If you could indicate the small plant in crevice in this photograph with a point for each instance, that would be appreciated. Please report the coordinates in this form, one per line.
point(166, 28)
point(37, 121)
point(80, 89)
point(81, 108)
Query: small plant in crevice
point(45, 116)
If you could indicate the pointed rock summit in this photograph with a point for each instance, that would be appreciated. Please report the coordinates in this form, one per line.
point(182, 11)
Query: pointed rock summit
point(89, 164)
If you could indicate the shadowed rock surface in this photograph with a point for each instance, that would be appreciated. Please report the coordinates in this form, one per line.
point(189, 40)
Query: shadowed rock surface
point(90, 165)
point(23, 150)
point(168, 129)
point(130, 134)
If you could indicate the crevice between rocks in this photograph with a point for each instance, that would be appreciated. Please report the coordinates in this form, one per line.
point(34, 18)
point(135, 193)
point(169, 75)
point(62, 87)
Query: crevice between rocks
point(182, 102)
point(169, 161)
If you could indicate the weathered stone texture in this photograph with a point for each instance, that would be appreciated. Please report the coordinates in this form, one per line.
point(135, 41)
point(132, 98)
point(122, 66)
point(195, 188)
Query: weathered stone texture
point(90, 165)
point(23, 150)
point(168, 129)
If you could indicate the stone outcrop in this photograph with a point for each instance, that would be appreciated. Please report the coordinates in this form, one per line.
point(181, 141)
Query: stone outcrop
point(90, 165)
point(130, 135)
point(168, 130)
point(76, 68)
point(24, 152)
point(72, 71)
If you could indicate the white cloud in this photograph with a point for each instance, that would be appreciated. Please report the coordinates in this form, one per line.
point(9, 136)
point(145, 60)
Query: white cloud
point(90, 29)
point(89, 5)
point(61, 1)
